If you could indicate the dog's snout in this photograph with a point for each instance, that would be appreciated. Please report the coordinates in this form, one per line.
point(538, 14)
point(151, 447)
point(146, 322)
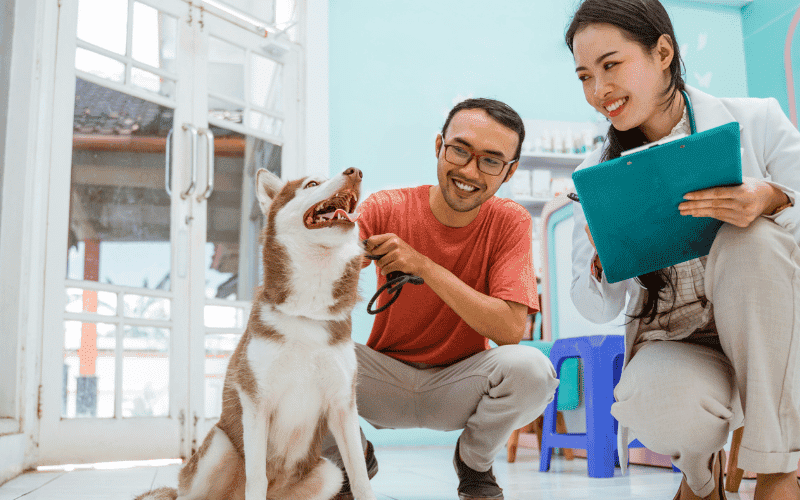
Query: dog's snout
point(353, 172)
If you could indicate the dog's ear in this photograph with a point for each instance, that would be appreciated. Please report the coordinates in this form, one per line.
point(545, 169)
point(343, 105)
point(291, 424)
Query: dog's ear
point(267, 186)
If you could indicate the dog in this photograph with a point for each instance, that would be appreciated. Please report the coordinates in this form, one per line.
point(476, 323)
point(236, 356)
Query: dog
point(293, 374)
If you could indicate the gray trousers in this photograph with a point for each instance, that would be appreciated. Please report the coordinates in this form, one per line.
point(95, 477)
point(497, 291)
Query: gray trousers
point(488, 395)
point(682, 399)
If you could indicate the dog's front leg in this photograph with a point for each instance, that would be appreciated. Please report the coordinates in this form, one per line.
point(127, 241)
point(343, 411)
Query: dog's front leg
point(255, 427)
point(343, 424)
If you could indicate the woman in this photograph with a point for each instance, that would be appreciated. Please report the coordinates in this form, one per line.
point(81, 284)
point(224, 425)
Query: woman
point(714, 342)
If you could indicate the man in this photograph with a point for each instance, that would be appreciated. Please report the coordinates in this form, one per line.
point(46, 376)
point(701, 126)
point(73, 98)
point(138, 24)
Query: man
point(427, 362)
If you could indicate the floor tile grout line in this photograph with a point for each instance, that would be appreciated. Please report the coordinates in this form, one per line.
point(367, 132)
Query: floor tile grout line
point(41, 485)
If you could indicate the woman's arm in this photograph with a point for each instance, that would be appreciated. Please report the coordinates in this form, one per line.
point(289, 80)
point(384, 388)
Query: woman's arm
point(782, 159)
point(597, 300)
point(757, 197)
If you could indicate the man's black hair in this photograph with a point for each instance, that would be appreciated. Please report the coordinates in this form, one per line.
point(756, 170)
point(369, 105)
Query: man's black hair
point(499, 111)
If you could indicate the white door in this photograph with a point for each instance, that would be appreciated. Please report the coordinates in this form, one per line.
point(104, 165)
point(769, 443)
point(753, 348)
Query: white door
point(163, 112)
point(246, 87)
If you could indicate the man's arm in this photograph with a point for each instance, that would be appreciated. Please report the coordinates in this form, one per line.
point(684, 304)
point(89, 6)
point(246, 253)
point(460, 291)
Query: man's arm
point(502, 321)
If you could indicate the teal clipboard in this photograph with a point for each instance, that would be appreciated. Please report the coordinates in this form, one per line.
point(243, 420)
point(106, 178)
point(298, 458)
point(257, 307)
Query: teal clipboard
point(631, 202)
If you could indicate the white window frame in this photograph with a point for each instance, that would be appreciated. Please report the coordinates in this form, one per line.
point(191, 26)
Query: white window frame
point(24, 227)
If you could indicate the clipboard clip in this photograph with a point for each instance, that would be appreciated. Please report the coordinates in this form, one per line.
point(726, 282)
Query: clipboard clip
point(573, 197)
point(655, 144)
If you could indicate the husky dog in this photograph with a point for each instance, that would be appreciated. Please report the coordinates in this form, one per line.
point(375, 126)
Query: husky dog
point(293, 373)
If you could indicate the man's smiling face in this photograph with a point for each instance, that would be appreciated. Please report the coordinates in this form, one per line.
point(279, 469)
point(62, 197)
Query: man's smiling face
point(465, 187)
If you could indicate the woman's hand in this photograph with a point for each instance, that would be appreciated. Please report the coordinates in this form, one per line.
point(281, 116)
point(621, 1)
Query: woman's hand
point(598, 267)
point(737, 205)
point(589, 234)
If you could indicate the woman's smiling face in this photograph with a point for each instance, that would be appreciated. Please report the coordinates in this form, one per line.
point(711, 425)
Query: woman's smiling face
point(622, 79)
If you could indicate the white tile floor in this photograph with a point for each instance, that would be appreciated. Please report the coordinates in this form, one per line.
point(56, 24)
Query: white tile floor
point(420, 473)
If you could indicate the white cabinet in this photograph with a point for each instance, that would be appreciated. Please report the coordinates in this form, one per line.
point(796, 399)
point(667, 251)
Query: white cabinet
point(546, 165)
point(548, 174)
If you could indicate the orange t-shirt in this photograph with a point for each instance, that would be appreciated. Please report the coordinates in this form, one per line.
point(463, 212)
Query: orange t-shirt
point(492, 254)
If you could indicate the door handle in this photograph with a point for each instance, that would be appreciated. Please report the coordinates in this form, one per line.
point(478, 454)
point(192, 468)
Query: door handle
point(168, 165)
point(209, 164)
point(193, 130)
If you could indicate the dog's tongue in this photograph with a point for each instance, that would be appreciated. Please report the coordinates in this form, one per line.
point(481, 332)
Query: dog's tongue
point(351, 217)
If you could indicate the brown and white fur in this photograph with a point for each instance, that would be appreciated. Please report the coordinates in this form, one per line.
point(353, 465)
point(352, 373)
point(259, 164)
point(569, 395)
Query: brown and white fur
point(292, 375)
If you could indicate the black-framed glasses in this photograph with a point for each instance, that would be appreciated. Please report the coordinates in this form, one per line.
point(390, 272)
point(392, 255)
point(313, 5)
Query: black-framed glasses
point(488, 164)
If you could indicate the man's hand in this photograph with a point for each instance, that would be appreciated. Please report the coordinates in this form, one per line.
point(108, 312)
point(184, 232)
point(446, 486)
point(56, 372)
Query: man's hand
point(397, 255)
point(737, 205)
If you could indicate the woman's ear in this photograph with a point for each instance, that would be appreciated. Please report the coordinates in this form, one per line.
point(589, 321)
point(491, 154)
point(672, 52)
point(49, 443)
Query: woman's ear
point(665, 51)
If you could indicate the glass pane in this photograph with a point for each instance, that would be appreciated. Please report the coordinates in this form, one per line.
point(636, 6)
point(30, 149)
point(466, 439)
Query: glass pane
point(233, 251)
point(89, 368)
point(154, 37)
point(145, 372)
point(119, 231)
point(266, 84)
point(104, 23)
point(223, 317)
point(265, 123)
point(91, 301)
point(260, 10)
point(152, 82)
point(225, 69)
point(102, 66)
point(222, 110)
point(219, 348)
point(286, 17)
point(141, 306)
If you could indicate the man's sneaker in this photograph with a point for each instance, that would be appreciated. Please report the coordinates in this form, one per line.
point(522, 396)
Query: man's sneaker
point(372, 469)
point(474, 485)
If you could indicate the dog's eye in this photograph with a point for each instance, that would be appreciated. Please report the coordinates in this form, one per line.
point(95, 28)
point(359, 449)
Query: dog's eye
point(312, 184)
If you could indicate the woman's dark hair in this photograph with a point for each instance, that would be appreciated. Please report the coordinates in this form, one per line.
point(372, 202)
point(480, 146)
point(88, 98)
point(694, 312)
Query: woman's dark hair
point(643, 22)
point(501, 112)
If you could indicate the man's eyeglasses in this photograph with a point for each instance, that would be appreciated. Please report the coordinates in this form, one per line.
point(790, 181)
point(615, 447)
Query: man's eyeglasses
point(490, 165)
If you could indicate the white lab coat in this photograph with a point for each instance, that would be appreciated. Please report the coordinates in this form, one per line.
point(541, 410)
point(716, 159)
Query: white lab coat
point(770, 151)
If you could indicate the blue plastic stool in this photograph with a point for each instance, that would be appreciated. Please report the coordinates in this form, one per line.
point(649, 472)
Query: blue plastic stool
point(601, 357)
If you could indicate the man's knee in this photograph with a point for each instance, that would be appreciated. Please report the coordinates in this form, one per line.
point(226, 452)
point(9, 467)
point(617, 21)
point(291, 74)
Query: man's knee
point(528, 372)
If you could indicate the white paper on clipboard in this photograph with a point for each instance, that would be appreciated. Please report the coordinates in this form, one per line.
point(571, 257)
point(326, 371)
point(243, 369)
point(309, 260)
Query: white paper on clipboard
point(659, 142)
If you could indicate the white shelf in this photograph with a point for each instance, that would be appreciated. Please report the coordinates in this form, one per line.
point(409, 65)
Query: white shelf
point(529, 201)
point(551, 160)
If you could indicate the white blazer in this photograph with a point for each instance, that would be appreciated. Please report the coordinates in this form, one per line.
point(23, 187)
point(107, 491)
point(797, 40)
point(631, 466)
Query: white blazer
point(770, 151)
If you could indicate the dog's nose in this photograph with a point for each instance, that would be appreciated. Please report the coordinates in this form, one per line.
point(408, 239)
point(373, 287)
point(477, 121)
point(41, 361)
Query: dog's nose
point(353, 172)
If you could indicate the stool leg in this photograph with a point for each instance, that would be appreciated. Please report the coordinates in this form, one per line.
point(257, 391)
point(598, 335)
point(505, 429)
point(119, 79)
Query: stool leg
point(600, 438)
point(548, 427)
point(734, 472)
point(561, 427)
point(537, 426)
point(513, 442)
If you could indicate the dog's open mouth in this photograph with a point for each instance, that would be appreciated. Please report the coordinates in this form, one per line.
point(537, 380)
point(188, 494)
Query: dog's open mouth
point(337, 210)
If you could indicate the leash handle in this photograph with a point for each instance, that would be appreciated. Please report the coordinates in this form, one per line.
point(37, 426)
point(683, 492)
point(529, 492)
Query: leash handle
point(394, 283)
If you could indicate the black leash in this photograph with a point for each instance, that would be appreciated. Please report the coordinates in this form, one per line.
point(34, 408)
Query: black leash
point(394, 283)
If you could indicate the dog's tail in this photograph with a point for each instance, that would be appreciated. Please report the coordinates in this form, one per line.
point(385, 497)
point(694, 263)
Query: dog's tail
point(159, 494)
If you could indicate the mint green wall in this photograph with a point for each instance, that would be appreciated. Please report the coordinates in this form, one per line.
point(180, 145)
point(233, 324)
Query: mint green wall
point(396, 69)
point(765, 25)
